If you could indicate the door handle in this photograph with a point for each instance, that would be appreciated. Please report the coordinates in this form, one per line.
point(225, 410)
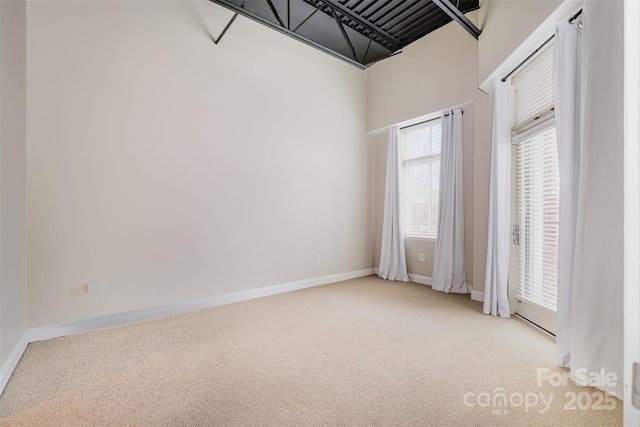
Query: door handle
point(516, 234)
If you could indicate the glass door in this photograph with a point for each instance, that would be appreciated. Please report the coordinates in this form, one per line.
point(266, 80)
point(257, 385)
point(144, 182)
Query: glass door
point(534, 247)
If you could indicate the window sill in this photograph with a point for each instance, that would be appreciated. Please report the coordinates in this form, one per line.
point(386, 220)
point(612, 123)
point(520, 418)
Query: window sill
point(423, 238)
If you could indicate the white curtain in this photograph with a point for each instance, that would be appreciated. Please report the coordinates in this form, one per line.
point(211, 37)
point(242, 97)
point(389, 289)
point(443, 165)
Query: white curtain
point(496, 300)
point(393, 263)
point(597, 306)
point(449, 273)
point(567, 80)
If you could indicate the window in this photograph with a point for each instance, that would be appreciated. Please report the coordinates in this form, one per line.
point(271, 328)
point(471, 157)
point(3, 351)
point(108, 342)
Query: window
point(535, 211)
point(420, 157)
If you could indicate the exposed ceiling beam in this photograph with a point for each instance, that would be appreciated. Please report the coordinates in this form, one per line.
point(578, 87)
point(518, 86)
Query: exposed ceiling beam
point(455, 14)
point(305, 20)
point(275, 12)
point(244, 12)
point(390, 40)
point(217, 40)
point(343, 31)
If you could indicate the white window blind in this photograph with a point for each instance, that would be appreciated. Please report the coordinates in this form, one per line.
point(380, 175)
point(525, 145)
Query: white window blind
point(536, 205)
point(534, 272)
point(420, 156)
point(532, 88)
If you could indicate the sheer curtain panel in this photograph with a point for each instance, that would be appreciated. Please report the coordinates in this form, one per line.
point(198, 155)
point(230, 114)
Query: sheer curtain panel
point(496, 300)
point(567, 81)
point(393, 263)
point(449, 273)
point(597, 305)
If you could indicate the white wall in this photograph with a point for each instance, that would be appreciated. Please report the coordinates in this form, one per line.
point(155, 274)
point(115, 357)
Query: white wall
point(172, 169)
point(436, 72)
point(13, 270)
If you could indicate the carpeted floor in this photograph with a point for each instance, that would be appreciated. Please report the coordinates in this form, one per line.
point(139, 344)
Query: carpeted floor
point(360, 352)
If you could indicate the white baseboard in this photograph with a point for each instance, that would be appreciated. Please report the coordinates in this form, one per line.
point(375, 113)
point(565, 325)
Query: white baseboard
point(102, 322)
point(426, 280)
point(423, 280)
point(416, 278)
point(12, 361)
point(477, 296)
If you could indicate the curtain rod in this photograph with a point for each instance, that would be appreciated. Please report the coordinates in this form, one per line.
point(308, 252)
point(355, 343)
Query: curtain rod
point(575, 16)
point(571, 21)
point(419, 123)
point(504, 79)
point(426, 121)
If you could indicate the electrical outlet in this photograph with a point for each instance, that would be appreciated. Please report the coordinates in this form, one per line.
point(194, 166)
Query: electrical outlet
point(421, 257)
point(94, 286)
point(317, 258)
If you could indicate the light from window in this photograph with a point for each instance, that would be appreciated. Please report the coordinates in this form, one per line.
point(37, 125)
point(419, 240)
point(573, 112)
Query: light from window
point(420, 157)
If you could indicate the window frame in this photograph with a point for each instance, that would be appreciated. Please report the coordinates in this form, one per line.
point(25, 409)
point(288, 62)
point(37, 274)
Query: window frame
point(433, 158)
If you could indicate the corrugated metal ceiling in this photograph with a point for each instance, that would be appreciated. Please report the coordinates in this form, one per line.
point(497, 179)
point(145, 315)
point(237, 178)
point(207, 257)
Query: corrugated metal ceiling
point(360, 32)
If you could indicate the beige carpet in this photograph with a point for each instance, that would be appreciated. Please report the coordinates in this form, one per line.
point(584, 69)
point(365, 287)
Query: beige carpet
point(361, 352)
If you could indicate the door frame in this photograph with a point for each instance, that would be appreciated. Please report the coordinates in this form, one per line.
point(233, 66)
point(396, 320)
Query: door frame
point(631, 213)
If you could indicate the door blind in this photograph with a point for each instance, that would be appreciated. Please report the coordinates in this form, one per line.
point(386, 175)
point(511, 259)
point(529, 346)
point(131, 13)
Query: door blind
point(537, 202)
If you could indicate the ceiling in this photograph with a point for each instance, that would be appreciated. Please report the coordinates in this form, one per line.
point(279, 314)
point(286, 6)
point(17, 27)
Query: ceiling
point(360, 32)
